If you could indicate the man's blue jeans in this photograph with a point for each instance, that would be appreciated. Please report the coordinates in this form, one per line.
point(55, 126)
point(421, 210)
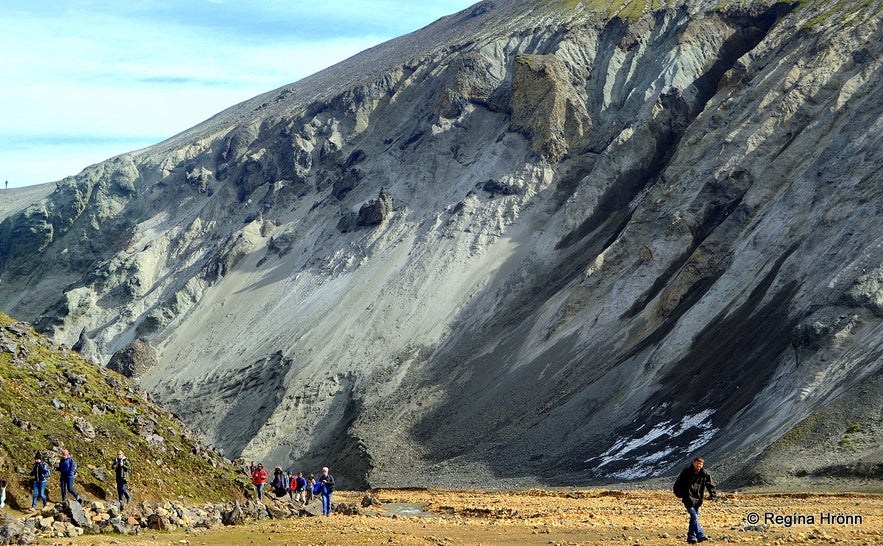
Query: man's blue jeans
point(123, 492)
point(326, 503)
point(695, 532)
point(39, 493)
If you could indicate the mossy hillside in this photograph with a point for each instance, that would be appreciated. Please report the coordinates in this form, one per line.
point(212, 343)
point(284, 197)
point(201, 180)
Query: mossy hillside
point(53, 399)
point(629, 10)
point(843, 11)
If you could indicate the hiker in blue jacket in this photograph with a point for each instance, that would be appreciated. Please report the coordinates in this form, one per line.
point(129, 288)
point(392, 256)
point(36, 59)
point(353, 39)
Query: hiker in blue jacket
point(67, 469)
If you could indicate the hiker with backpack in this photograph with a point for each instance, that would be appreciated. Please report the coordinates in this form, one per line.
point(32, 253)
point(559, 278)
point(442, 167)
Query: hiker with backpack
point(67, 469)
point(690, 487)
point(280, 482)
point(40, 474)
point(123, 470)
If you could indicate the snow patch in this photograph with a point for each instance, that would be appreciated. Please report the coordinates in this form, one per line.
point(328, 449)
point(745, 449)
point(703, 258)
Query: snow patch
point(645, 464)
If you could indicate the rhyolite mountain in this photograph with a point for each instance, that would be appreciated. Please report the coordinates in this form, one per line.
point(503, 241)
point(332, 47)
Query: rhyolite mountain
point(535, 242)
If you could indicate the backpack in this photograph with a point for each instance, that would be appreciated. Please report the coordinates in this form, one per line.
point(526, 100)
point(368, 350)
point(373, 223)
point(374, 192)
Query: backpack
point(43, 472)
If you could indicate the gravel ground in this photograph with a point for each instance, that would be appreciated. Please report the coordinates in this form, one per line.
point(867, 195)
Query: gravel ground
point(560, 517)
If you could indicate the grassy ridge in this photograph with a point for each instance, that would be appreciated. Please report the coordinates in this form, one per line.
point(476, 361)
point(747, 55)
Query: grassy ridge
point(53, 399)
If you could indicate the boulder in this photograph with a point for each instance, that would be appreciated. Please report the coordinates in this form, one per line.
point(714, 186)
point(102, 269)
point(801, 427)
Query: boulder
point(138, 357)
point(157, 522)
point(77, 513)
point(233, 516)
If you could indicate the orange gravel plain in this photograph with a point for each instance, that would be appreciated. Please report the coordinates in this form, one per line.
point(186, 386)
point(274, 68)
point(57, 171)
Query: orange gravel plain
point(557, 517)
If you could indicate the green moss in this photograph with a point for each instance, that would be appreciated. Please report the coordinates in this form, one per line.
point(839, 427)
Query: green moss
point(854, 428)
point(794, 436)
point(844, 12)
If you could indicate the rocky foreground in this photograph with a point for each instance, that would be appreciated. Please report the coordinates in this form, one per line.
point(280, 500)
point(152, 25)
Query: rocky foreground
point(72, 519)
point(531, 517)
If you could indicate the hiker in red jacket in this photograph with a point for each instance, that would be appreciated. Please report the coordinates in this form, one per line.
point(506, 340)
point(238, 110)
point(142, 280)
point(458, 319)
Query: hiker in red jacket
point(259, 479)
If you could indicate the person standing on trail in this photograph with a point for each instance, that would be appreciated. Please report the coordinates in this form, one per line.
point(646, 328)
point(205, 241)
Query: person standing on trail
point(123, 470)
point(325, 487)
point(67, 469)
point(259, 479)
point(280, 482)
point(311, 484)
point(690, 487)
point(40, 474)
point(299, 488)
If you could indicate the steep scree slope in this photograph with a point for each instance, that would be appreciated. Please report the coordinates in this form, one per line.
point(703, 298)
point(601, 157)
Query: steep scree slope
point(536, 241)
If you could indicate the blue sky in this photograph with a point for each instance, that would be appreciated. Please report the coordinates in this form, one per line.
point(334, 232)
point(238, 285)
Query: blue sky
point(84, 80)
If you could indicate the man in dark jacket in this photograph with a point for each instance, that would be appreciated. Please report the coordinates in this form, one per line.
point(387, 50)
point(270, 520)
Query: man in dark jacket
point(39, 473)
point(123, 470)
point(690, 488)
point(325, 486)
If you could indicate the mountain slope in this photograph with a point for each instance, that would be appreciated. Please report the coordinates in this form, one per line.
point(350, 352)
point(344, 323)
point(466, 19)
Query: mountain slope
point(539, 241)
point(53, 400)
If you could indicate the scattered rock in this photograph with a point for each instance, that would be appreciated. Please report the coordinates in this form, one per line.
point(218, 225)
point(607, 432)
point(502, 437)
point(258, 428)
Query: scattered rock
point(157, 522)
point(84, 427)
point(370, 501)
point(347, 509)
point(10, 529)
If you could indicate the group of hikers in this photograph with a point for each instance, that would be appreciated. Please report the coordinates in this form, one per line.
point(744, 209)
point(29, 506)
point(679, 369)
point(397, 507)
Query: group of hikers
point(690, 486)
point(67, 471)
point(296, 487)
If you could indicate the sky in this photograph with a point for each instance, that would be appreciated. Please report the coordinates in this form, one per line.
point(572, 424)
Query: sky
point(85, 80)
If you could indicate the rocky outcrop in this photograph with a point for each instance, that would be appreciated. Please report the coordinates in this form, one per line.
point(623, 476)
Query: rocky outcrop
point(624, 233)
point(546, 106)
point(134, 360)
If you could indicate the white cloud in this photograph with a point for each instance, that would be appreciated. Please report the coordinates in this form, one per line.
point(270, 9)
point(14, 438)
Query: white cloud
point(86, 80)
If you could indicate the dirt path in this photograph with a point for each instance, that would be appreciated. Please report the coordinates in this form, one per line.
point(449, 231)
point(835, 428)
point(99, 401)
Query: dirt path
point(537, 517)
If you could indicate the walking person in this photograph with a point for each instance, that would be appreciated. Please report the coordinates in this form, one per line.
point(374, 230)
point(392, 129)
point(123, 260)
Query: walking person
point(690, 487)
point(67, 470)
point(300, 486)
point(292, 483)
point(40, 474)
point(311, 484)
point(2, 493)
point(280, 482)
point(123, 470)
point(325, 487)
point(259, 479)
